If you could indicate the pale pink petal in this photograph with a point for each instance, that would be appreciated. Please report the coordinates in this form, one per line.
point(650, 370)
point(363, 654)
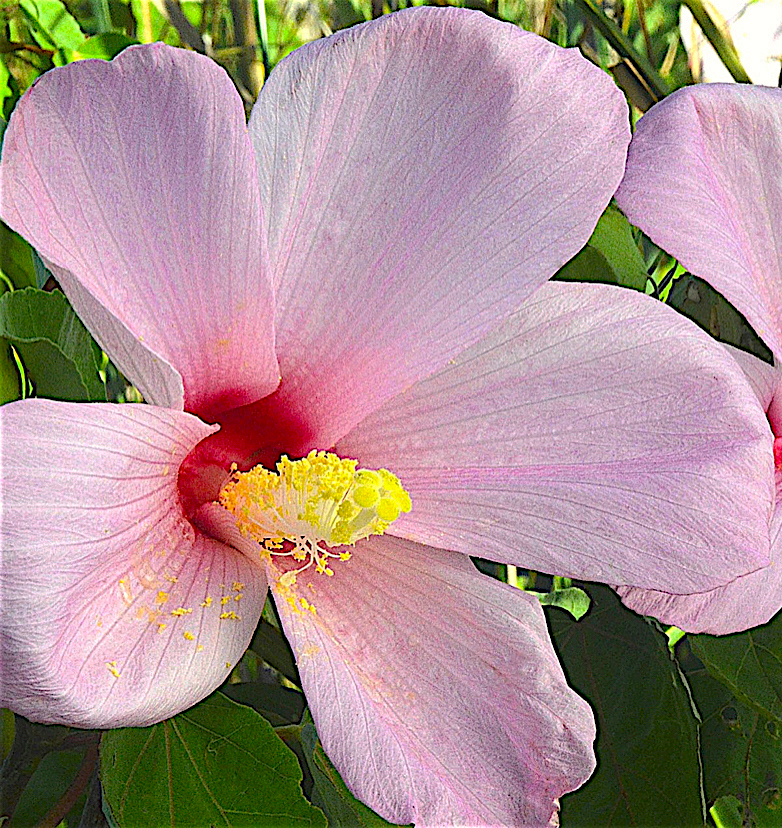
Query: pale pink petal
point(746, 602)
point(704, 180)
point(435, 690)
point(98, 558)
point(751, 599)
point(136, 180)
point(421, 175)
point(596, 434)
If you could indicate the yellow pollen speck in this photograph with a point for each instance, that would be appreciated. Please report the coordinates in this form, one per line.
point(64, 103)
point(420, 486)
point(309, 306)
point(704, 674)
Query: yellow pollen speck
point(165, 471)
point(162, 597)
point(99, 622)
point(161, 627)
point(239, 596)
point(225, 599)
point(124, 589)
point(189, 636)
point(199, 648)
point(207, 602)
point(311, 507)
point(227, 665)
point(237, 586)
point(180, 611)
point(171, 578)
point(112, 668)
point(230, 615)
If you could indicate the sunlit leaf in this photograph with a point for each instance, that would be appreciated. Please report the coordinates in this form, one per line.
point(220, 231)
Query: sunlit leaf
point(58, 353)
point(572, 600)
point(104, 46)
point(610, 255)
point(51, 24)
point(219, 763)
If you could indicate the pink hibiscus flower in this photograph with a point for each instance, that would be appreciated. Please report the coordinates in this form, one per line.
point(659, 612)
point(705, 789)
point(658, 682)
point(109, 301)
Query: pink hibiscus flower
point(704, 180)
point(352, 276)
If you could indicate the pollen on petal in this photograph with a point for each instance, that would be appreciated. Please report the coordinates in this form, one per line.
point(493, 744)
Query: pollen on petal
point(310, 507)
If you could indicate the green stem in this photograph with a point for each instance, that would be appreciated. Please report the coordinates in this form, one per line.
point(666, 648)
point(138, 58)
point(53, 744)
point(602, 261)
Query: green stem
point(724, 49)
point(621, 43)
point(100, 8)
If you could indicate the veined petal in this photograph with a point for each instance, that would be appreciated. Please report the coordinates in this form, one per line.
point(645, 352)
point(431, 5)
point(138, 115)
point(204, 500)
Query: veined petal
point(104, 585)
point(435, 690)
point(704, 180)
point(136, 180)
point(422, 174)
point(567, 439)
point(751, 599)
point(746, 602)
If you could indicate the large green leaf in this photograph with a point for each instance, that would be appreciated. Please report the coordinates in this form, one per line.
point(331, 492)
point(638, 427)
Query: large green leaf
point(749, 664)
point(104, 46)
point(58, 353)
point(610, 255)
point(51, 24)
point(742, 755)
point(647, 745)
point(330, 793)
point(16, 261)
point(217, 764)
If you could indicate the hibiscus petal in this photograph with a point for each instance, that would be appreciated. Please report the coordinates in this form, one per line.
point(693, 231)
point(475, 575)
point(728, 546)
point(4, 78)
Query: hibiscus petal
point(567, 439)
point(422, 174)
point(136, 180)
point(749, 600)
point(746, 602)
point(704, 180)
point(435, 690)
point(97, 559)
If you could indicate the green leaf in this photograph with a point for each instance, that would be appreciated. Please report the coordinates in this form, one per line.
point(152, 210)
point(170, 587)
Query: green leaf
point(646, 726)
point(57, 351)
point(218, 763)
point(279, 705)
point(16, 261)
point(330, 793)
point(611, 255)
point(571, 599)
point(104, 46)
point(51, 24)
point(726, 812)
point(749, 664)
point(742, 757)
point(698, 301)
point(10, 378)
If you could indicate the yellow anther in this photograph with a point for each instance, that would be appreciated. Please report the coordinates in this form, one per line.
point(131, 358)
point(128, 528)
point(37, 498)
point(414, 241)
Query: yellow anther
point(312, 505)
point(238, 586)
point(180, 611)
point(161, 627)
point(229, 616)
point(207, 602)
point(162, 597)
point(112, 668)
point(225, 599)
point(189, 636)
